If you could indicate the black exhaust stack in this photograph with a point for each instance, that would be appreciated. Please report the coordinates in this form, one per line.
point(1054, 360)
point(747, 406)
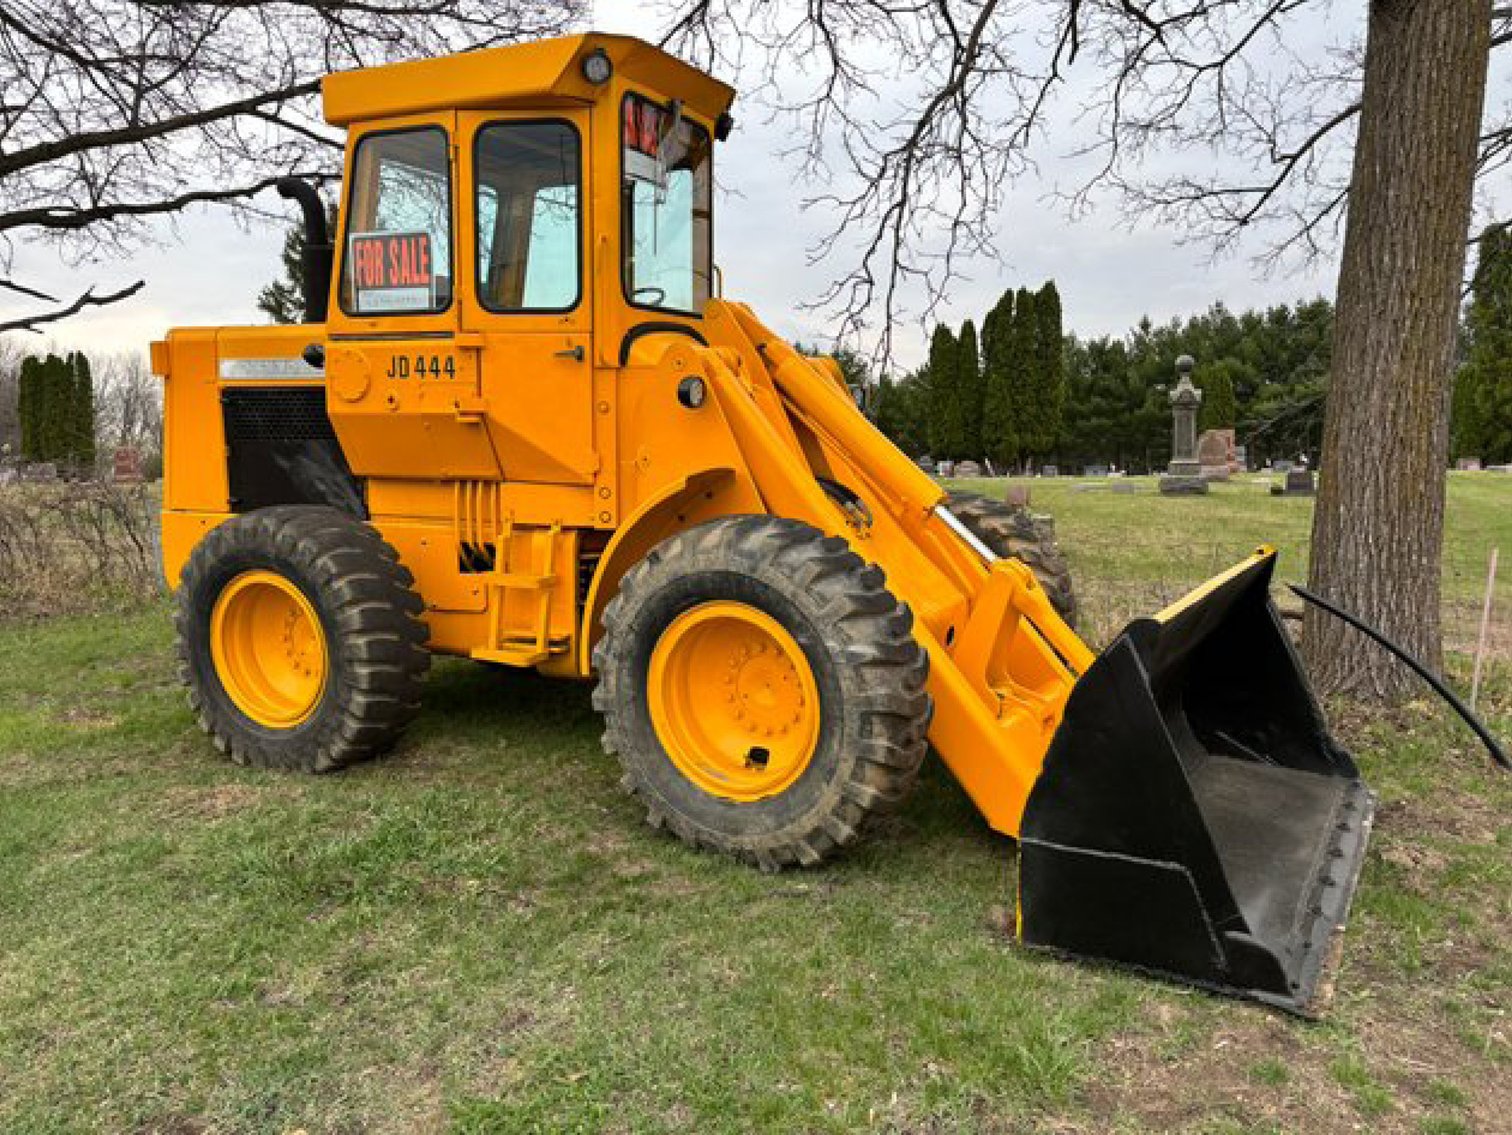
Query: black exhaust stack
point(319, 255)
point(1194, 817)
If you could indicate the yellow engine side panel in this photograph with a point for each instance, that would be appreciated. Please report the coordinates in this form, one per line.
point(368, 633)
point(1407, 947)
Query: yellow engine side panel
point(409, 408)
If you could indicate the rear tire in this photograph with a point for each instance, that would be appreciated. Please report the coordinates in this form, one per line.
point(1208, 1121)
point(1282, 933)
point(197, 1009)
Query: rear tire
point(299, 639)
point(674, 688)
point(1014, 533)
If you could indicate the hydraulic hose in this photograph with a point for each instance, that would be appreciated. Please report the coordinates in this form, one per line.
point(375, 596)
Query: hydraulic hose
point(1497, 753)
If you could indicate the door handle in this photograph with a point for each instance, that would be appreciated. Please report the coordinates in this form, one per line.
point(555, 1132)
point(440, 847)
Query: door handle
point(577, 354)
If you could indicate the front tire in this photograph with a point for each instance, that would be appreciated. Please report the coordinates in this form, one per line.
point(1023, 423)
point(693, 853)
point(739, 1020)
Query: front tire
point(762, 690)
point(299, 639)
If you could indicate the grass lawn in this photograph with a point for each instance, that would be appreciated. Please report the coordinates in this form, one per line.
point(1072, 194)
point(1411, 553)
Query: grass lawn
point(479, 933)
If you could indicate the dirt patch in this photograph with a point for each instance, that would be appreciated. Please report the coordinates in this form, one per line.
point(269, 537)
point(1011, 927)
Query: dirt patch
point(1459, 816)
point(88, 718)
point(1268, 1073)
point(1416, 861)
point(217, 802)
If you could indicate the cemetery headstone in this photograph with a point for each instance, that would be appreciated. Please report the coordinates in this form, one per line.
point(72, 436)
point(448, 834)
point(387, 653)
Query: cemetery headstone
point(968, 469)
point(1184, 473)
point(926, 463)
point(945, 469)
point(1017, 496)
point(1215, 454)
point(1300, 482)
point(1050, 471)
point(1095, 471)
point(127, 465)
point(1468, 464)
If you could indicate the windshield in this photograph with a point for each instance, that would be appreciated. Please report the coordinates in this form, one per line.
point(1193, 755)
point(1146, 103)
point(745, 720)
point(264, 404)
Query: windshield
point(666, 207)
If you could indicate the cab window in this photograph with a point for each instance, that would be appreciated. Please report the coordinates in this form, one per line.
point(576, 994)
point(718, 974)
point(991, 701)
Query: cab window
point(397, 258)
point(666, 207)
point(527, 203)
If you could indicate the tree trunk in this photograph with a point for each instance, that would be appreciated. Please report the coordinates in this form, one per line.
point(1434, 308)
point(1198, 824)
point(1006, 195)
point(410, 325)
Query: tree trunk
point(1379, 526)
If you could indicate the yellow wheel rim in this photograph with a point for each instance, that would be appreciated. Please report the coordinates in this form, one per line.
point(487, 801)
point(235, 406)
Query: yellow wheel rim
point(269, 649)
point(733, 701)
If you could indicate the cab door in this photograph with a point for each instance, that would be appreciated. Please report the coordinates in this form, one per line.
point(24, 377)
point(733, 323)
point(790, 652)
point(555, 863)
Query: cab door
point(403, 396)
point(526, 308)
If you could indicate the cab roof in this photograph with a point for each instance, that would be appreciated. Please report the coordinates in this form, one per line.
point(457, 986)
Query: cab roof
point(542, 73)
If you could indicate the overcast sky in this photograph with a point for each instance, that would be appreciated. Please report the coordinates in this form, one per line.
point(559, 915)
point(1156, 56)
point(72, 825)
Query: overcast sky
point(206, 270)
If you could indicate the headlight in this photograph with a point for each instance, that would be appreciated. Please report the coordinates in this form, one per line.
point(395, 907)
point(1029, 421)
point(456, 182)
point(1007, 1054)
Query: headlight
point(596, 66)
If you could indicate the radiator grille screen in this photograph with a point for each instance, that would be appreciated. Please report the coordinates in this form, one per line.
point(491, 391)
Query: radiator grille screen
point(277, 414)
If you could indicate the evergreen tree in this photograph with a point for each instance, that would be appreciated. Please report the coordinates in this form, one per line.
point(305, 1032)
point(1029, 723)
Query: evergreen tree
point(886, 410)
point(969, 392)
point(1465, 427)
point(901, 411)
point(82, 413)
point(60, 400)
point(944, 392)
point(914, 392)
point(1024, 424)
point(1275, 362)
point(71, 431)
point(998, 440)
point(56, 410)
point(1047, 373)
point(1219, 409)
point(283, 300)
point(1483, 390)
point(26, 408)
point(50, 409)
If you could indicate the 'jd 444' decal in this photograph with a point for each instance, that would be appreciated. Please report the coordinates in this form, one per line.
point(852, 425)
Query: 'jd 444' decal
point(422, 366)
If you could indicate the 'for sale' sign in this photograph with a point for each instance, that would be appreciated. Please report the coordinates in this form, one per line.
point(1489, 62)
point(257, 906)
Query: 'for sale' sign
point(393, 272)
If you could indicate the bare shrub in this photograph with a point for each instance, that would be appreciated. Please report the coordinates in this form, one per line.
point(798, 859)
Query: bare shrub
point(73, 548)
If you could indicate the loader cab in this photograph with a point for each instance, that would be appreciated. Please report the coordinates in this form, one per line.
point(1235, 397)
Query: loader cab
point(508, 235)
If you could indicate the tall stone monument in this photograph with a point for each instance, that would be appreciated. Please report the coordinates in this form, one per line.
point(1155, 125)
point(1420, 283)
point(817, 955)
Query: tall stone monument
point(1184, 473)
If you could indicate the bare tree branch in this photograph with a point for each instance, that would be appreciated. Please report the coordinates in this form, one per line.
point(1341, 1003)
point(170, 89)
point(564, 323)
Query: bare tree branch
point(32, 293)
point(88, 299)
point(58, 218)
point(117, 114)
point(145, 131)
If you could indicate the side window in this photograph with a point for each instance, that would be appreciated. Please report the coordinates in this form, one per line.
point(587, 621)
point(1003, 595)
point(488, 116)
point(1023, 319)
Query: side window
point(528, 216)
point(398, 239)
point(665, 207)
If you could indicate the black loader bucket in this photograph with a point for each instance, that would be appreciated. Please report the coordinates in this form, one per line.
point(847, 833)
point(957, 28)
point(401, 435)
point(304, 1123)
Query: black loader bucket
point(1193, 816)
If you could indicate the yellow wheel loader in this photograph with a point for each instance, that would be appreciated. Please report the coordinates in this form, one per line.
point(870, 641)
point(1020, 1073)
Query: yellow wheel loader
point(521, 425)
